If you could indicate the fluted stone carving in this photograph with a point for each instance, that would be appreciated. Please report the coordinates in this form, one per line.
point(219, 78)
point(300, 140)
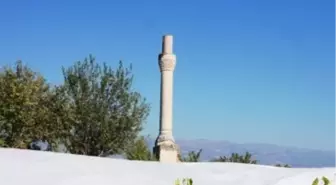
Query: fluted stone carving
point(167, 62)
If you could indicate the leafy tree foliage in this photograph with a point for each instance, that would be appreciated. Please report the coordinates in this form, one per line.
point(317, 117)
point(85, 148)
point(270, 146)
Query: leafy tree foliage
point(25, 107)
point(235, 157)
point(191, 157)
point(139, 150)
point(104, 114)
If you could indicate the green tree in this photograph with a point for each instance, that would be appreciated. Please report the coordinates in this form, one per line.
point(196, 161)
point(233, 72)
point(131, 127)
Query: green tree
point(105, 114)
point(191, 157)
point(237, 158)
point(25, 107)
point(139, 150)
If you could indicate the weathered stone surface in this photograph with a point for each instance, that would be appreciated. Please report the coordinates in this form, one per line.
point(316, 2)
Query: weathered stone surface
point(165, 148)
point(167, 151)
point(167, 62)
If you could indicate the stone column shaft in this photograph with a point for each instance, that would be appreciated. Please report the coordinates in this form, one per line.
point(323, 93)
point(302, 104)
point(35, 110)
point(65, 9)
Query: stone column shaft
point(167, 62)
point(165, 148)
point(166, 117)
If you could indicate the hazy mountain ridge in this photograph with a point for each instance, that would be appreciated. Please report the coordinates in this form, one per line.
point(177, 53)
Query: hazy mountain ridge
point(265, 153)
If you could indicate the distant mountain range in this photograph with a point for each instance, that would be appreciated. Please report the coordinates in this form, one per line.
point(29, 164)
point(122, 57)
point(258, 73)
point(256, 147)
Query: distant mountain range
point(267, 154)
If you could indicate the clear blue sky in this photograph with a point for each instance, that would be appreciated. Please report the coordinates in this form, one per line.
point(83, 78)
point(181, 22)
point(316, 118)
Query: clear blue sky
point(247, 71)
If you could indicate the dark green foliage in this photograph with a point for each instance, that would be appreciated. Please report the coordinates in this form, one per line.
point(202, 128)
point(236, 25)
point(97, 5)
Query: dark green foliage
point(139, 150)
point(95, 112)
point(25, 107)
point(191, 157)
point(104, 115)
point(325, 180)
point(235, 157)
point(2, 143)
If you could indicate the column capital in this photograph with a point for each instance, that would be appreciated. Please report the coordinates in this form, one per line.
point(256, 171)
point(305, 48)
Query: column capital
point(167, 62)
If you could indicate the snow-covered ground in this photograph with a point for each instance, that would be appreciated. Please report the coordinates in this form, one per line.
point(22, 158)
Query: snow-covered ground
point(46, 168)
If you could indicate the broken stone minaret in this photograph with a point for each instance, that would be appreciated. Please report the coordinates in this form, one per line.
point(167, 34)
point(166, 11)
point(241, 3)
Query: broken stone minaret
point(165, 148)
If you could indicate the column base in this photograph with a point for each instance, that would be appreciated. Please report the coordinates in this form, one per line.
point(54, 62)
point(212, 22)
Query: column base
point(166, 151)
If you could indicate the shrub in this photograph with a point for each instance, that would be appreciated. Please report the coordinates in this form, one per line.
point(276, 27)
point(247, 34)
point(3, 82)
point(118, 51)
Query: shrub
point(325, 181)
point(184, 181)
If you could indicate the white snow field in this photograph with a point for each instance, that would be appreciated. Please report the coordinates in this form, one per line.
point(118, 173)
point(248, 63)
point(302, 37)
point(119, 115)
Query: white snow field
point(46, 168)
